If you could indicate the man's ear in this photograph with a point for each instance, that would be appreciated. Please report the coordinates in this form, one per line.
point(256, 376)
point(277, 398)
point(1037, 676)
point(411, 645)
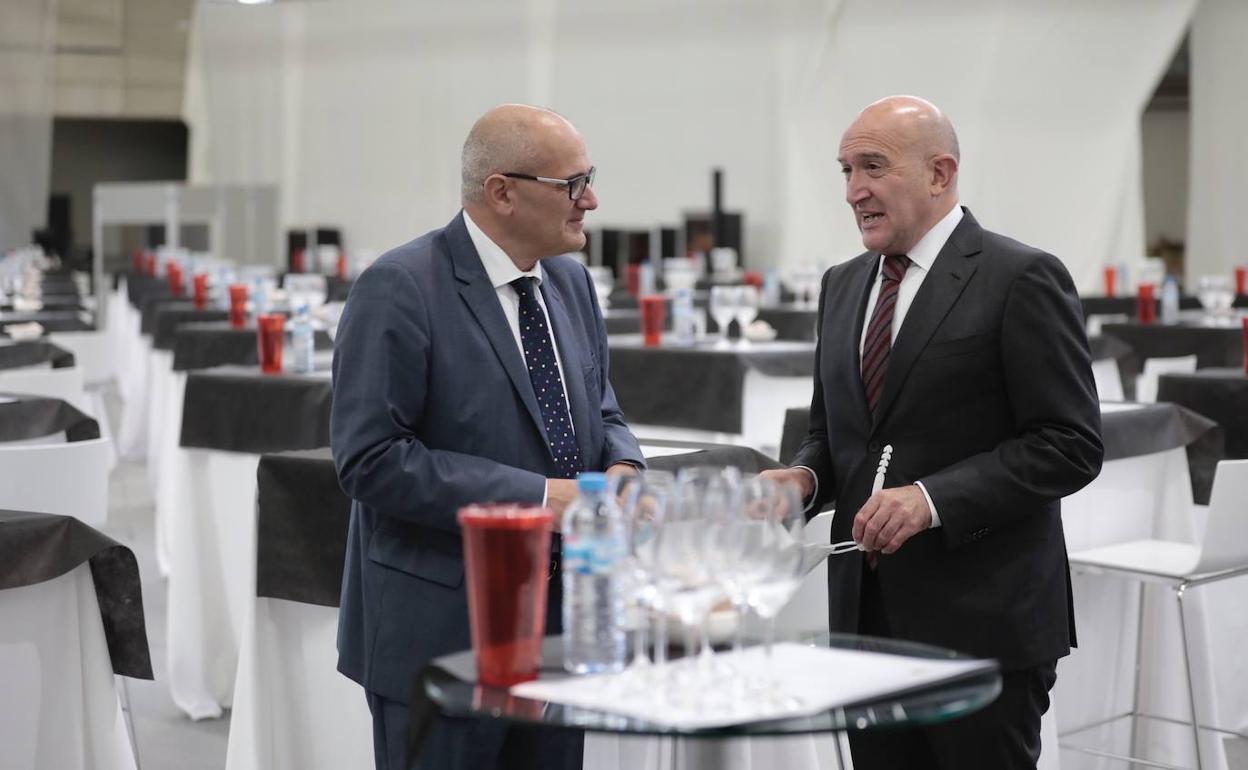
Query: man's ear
point(943, 170)
point(498, 194)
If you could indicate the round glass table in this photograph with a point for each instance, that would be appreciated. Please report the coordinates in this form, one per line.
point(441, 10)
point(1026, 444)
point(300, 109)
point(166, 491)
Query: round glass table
point(448, 686)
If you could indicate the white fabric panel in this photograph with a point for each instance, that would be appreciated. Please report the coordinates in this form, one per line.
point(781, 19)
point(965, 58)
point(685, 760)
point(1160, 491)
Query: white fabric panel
point(1217, 229)
point(1046, 98)
point(27, 57)
point(60, 708)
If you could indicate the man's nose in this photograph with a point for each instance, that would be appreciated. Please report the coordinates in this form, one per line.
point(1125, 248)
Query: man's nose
point(589, 199)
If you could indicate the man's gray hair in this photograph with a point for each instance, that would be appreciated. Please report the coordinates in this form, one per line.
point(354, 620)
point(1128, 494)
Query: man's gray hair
point(493, 148)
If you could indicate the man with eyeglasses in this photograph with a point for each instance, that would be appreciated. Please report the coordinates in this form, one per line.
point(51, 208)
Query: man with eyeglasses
point(470, 366)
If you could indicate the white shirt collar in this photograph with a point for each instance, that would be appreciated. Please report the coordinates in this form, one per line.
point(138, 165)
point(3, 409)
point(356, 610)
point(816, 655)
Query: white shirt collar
point(928, 248)
point(498, 266)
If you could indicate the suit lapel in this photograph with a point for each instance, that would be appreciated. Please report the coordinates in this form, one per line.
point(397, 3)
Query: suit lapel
point(482, 300)
point(572, 357)
point(950, 274)
point(845, 313)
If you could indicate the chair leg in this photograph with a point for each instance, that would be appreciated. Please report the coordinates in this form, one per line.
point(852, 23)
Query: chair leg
point(1187, 662)
point(123, 689)
point(1139, 667)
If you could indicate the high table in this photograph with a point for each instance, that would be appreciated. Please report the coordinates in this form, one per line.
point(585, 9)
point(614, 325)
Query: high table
point(1213, 346)
point(71, 615)
point(20, 355)
point(291, 708)
point(449, 685)
point(205, 344)
point(1219, 394)
point(739, 391)
point(50, 320)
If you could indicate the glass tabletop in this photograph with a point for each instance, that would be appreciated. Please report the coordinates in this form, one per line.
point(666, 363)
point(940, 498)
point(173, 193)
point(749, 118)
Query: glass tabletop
point(450, 684)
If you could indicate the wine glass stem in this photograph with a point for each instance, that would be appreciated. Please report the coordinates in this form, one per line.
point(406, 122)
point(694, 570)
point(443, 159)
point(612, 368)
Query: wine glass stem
point(660, 637)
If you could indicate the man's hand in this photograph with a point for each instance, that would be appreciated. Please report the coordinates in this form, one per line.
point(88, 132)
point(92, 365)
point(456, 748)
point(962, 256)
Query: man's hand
point(890, 517)
point(559, 492)
point(622, 469)
point(803, 479)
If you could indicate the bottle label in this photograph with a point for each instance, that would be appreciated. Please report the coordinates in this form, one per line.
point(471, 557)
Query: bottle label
point(590, 555)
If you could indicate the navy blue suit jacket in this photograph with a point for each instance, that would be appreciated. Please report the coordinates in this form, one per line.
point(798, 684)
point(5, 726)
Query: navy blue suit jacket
point(433, 409)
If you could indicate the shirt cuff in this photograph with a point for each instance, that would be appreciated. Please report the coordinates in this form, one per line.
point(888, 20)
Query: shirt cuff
point(930, 505)
point(814, 495)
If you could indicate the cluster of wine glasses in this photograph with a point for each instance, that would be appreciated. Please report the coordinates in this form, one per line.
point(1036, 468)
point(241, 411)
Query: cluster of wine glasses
point(1217, 296)
point(733, 302)
point(803, 280)
point(698, 539)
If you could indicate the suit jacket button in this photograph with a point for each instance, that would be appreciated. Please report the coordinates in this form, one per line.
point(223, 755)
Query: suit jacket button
point(874, 446)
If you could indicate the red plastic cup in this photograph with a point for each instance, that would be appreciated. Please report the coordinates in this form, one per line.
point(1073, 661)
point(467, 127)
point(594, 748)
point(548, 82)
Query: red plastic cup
point(136, 261)
point(151, 264)
point(269, 327)
point(632, 278)
point(1245, 322)
point(1241, 278)
point(238, 305)
point(340, 266)
point(296, 261)
point(199, 290)
point(1111, 278)
point(174, 273)
point(652, 306)
point(752, 278)
point(506, 561)
point(1145, 306)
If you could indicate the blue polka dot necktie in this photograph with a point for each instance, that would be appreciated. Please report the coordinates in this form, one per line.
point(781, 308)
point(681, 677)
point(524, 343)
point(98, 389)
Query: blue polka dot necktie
point(539, 357)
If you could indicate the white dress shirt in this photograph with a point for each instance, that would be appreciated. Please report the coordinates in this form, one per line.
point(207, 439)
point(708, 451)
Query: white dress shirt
point(922, 257)
point(502, 271)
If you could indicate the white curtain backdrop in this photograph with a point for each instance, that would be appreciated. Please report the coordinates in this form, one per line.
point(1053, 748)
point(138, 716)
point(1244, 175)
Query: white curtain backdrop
point(27, 40)
point(358, 109)
point(1217, 229)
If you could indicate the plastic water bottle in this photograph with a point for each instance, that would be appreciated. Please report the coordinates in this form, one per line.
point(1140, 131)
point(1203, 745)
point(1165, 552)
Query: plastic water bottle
point(259, 298)
point(302, 344)
point(594, 548)
point(1170, 301)
point(683, 324)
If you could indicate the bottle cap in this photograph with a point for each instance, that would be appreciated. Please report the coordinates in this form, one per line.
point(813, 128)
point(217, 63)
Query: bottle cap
point(591, 481)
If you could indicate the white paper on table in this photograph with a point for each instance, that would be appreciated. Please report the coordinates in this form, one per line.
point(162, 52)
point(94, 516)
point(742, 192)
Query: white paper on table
point(818, 678)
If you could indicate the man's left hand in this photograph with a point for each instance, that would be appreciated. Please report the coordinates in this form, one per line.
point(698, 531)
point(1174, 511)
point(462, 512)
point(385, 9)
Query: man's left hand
point(890, 517)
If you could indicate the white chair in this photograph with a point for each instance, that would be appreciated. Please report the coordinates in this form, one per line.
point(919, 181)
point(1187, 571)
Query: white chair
point(65, 384)
point(1146, 383)
point(807, 611)
point(1108, 380)
point(70, 479)
point(1222, 554)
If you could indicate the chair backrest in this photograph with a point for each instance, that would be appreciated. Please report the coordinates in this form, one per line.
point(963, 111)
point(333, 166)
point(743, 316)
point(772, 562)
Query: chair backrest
point(807, 610)
point(93, 354)
point(70, 479)
point(1146, 385)
point(1226, 533)
point(1108, 380)
point(65, 384)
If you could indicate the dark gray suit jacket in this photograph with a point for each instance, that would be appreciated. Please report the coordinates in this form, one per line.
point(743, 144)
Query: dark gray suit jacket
point(433, 409)
point(989, 401)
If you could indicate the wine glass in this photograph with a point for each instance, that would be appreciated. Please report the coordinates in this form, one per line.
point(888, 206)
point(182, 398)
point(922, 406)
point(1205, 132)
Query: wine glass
point(643, 500)
point(747, 309)
point(1216, 295)
point(604, 284)
point(723, 307)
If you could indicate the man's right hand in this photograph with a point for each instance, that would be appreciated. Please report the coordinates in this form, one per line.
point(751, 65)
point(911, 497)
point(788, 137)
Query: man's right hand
point(799, 477)
point(559, 492)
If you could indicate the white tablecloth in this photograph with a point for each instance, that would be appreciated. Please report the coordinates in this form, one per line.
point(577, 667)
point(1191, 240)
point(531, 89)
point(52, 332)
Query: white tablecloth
point(59, 709)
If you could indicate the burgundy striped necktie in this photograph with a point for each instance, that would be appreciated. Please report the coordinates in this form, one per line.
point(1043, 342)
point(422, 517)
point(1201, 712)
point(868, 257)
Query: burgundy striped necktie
point(878, 342)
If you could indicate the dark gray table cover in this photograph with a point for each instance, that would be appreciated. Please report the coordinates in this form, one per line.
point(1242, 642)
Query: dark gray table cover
point(1144, 430)
point(202, 345)
point(170, 316)
point(1093, 305)
point(33, 353)
point(51, 302)
point(139, 287)
point(1213, 346)
point(696, 387)
point(37, 547)
point(239, 409)
point(1218, 394)
point(152, 304)
point(302, 517)
point(28, 417)
point(50, 320)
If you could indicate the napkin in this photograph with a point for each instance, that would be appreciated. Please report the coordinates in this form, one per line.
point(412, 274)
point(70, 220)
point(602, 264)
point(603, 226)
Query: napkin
point(26, 331)
point(760, 331)
point(27, 304)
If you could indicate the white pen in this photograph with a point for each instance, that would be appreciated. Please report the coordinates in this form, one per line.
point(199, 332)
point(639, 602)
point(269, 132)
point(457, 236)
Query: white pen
point(882, 469)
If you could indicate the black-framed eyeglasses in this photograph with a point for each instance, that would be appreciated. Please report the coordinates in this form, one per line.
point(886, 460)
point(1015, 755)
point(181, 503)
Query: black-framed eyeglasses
point(576, 185)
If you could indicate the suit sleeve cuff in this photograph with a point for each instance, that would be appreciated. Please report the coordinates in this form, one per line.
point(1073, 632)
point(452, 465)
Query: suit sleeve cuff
point(814, 495)
point(930, 505)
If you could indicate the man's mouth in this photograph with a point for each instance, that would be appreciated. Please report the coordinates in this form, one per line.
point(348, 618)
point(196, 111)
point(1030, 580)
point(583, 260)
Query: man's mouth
point(871, 218)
